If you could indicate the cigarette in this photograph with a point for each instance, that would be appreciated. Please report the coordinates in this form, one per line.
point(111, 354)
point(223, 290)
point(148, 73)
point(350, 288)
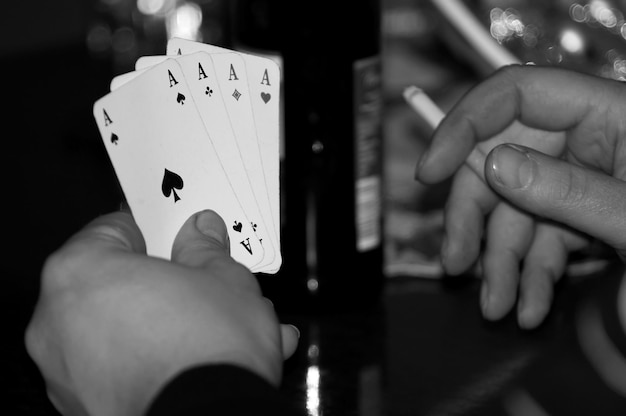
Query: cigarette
point(421, 103)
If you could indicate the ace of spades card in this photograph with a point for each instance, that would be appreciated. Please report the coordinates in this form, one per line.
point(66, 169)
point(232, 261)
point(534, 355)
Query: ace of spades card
point(166, 165)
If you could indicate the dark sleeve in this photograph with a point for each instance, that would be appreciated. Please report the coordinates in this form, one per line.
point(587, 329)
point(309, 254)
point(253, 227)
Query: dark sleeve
point(220, 390)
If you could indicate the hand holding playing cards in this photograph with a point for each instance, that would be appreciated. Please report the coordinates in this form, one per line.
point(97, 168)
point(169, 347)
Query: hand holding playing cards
point(198, 129)
point(113, 325)
point(561, 184)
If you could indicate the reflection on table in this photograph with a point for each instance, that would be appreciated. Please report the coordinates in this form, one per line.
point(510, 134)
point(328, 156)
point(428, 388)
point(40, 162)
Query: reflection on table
point(426, 350)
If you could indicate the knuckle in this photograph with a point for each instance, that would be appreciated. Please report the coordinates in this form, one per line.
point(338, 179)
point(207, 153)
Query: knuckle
point(65, 268)
point(571, 189)
point(511, 76)
point(57, 269)
point(510, 72)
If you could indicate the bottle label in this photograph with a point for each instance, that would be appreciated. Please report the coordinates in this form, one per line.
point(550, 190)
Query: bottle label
point(368, 152)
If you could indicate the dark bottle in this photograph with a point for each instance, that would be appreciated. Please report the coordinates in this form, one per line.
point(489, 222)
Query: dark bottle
point(331, 153)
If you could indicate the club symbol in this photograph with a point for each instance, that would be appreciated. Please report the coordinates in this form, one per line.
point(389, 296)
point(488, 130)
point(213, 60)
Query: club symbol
point(236, 94)
point(114, 138)
point(170, 182)
point(253, 226)
point(180, 98)
point(265, 96)
point(208, 91)
point(237, 226)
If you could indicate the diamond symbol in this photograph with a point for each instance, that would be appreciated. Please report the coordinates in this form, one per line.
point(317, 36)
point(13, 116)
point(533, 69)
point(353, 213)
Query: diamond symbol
point(236, 94)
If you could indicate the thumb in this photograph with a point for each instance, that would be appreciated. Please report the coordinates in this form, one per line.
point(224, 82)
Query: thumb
point(586, 200)
point(201, 239)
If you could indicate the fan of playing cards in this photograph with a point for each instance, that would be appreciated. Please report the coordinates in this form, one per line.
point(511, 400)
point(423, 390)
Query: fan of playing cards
point(195, 129)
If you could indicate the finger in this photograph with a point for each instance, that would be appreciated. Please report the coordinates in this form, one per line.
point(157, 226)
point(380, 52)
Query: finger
point(546, 98)
point(544, 265)
point(585, 200)
point(509, 235)
point(203, 242)
point(290, 336)
point(201, 239)
point(468, 203)
point(117, 231)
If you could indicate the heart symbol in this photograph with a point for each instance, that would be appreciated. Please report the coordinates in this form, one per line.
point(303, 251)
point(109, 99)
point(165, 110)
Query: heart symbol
point(114, 138)
point(180, 99)
point(237, 227)
point(265, 96)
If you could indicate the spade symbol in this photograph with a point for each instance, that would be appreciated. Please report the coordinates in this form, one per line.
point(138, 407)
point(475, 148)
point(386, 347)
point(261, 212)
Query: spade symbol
point(237, 226)
point(171, 181)
point(114, 138)
point(265, 96)
point(180, 98)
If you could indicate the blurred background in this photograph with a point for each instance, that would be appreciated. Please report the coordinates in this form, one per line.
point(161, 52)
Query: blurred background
point(57, 58)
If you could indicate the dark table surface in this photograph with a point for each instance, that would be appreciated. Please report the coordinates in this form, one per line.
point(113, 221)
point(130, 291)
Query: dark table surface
point(427, 351)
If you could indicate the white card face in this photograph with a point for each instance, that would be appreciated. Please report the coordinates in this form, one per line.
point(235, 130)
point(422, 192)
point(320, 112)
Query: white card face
point(235, 140)
point(165, 162)
point(264, 84)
